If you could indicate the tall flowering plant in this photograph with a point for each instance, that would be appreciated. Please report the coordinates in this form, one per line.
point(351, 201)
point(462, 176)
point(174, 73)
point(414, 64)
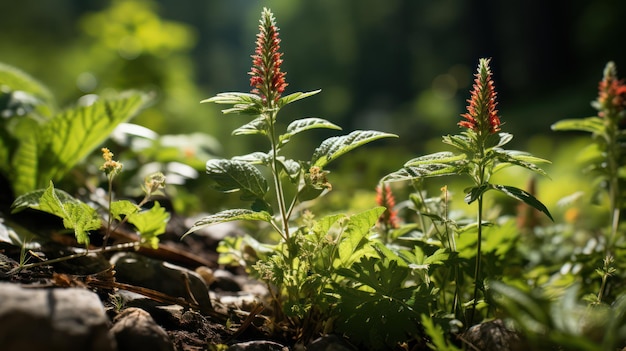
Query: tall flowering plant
point(479, 155)
point(606, 155)
point(300, 265)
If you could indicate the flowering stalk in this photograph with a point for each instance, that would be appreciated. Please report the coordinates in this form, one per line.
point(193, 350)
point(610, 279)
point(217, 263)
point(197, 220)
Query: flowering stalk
point(111, 168)
point(389, 219)
point(268, 82)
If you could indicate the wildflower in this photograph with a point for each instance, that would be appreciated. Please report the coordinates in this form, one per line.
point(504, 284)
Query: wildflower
point(153, 183)
point(110, 166)
point(267, 79)
point(384, 197)
point(611, 93)
point(482, 116)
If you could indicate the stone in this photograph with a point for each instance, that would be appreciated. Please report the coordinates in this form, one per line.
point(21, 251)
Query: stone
point(330, 343)
point(260, 345)
point(52, 319)
point(172, 280)
point(495, 336)
point(135, 329)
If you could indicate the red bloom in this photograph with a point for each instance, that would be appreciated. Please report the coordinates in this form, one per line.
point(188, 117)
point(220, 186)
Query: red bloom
point(482, 116)
point(384, 197)
point(267, 79)
point(611, 93)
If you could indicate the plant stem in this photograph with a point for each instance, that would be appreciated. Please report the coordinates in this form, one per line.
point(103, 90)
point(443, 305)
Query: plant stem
point(280, 196)
point(110, 219)
point(478, 258)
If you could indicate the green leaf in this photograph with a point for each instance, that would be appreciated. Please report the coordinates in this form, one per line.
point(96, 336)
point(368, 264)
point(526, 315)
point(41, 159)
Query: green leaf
point(589, 124)
point(232, 175)
point(229, 216)
point(243, 103)
point(522, 159)
point(295, 97)
point(523, 196)
point(71, 135)
point(504, 139)
point(150, 224)
point(301, 125)
point(255, 158)
point(460, 142)
point(474, 192)
point(76, 215)
point(334, 147)
point(19, 81)
point(24, 162)
point(256, 126)
point(358, 227)
point(32, 199)
point(123, 208)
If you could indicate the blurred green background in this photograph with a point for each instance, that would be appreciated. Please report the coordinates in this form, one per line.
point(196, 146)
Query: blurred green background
point(397, 66)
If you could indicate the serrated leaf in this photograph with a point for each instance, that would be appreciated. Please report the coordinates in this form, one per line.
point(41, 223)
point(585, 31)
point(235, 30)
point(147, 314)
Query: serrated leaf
point(255, 158)
point(231, 175)
point(357, 228)
point(32, 199)
point(150, 223)
point(76, 215)
point(589, 124)
point(301, 125)
point(243, 103)
point(334, 147)
point(229, 216)
point(523, 196)
point(438, 157)
point(123, 208)
point(71, 135)
point(256, 126)
point(295, 97)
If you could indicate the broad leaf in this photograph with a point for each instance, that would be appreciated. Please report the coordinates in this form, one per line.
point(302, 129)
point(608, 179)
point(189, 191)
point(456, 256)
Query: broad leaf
point(295, 97)
point(438, 157)
point(504, 139)
point(73, 134)
point(523, 196)
point(19, 81)
point(150, 224)
point(589, 124)
point(32, 199)
point(256, 126)
point(334, 147)
point(255, 158)
point(24, 162)
point(76, 215)
point(460, 142)
point(522, 159)
point(123, 208)
point(301, 125)
point(358, 227)
point(229, 216)
point(474, 193)
point(232, 175)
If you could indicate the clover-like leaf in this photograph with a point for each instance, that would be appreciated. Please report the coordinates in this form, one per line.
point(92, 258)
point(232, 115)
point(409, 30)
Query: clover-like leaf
point(232, 175)
point(229, 216)
point(333, 147)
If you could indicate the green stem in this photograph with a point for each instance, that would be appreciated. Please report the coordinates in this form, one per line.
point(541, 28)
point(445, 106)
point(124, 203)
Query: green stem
point(110, 219)
point(276, 175)
point(478, 258)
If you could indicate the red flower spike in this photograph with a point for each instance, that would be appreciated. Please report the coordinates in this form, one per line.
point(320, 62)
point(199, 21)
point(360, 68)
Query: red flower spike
point(611, 93)
point(267, 80)
point(384, 197)
point(482, 116)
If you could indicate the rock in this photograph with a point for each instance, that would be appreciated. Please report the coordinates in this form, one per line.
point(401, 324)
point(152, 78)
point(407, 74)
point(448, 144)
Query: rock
point(172, 280)
point(52, 319)
point(494, 336)
point(134, 329)
point(261, 345)
point(224, 280)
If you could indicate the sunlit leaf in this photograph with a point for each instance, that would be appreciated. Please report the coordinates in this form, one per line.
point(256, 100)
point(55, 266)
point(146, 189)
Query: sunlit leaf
point(523, 196)
point(333, 147)
point(589, 124)
point(71, 135)
point(123, 208)
point(24, 162)
point(460, 142)
point(232, 175)
point(255, 158)
point(295, 97)
point(32, 199)
point(357, 228)
point(20, 82)
point(522, 159)
point(243, 103)
point(150, 223)
point(256, 126)
point(301, 125)
point(228, 216)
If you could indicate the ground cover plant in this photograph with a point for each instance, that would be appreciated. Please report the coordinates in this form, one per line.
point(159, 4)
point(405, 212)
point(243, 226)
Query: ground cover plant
point(405, 274)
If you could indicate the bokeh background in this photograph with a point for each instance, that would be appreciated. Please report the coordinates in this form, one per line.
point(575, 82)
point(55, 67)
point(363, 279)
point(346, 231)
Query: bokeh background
point(400, 66)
